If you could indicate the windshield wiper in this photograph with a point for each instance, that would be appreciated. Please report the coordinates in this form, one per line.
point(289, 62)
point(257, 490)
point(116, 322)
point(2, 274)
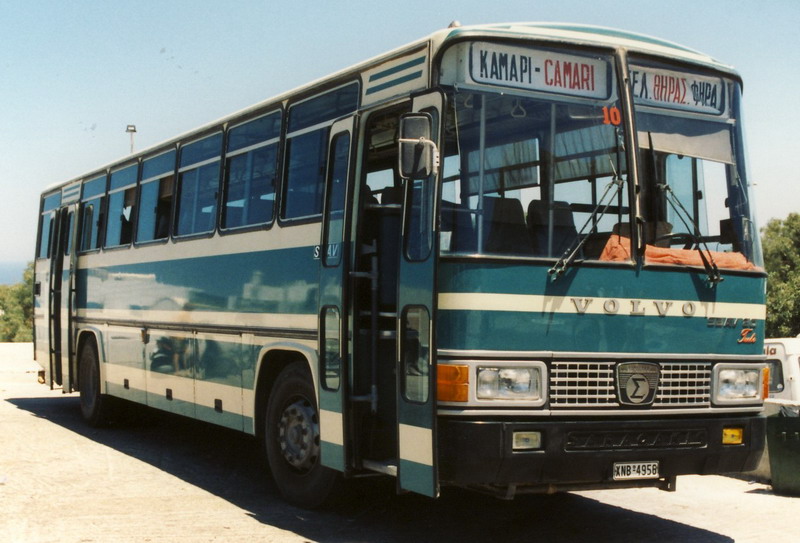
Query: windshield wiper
point(710, 266)
point(597, 213)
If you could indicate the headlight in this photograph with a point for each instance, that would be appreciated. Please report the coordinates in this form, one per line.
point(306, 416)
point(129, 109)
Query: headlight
point(737, 383)
point(511, 383)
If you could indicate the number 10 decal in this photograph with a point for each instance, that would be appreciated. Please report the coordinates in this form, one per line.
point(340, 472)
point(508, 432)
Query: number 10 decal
point(612, 115)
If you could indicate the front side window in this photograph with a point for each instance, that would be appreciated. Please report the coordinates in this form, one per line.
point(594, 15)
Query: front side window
point(306, 149)
point(695, 194)
point(305, 174)
point(536, 174)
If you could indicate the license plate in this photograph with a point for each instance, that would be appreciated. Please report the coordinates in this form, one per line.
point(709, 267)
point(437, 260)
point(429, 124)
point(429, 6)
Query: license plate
point(635, 470)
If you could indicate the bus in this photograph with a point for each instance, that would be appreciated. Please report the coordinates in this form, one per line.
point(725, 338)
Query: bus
point(513, 258)
point(783, 359)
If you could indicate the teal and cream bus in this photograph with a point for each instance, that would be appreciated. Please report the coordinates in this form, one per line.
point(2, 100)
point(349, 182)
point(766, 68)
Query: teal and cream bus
point(513, 258)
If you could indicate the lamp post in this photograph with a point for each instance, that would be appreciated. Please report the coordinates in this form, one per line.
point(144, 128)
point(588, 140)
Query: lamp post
point(131, 129)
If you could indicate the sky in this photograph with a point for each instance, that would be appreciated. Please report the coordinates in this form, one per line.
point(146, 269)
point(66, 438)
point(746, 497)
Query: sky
point(74, 74)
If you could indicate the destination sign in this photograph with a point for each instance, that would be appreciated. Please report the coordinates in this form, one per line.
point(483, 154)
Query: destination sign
point(677, 90)
point(539, 70)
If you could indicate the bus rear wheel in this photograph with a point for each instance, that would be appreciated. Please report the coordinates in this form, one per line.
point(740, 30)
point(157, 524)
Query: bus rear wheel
point(292, 440)
point(95, 407)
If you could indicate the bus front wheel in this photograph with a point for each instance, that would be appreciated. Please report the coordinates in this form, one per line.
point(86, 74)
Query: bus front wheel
point(292, 440)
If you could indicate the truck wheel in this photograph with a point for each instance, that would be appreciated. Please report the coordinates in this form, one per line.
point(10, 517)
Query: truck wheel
point(95, 407)
point(292, 440)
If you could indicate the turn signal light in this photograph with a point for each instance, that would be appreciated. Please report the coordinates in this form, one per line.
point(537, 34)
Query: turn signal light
point(732, 436)
point(452, 383)
point(765, 383)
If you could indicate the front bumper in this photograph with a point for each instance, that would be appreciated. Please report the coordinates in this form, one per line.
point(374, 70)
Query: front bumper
point(580, 454)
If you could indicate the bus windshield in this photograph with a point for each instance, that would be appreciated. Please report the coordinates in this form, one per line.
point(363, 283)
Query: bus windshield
point(692, 174)
point(531, 176)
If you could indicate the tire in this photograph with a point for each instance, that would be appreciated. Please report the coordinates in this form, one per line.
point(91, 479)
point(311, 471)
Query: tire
point(292, 440)
point(95, 407)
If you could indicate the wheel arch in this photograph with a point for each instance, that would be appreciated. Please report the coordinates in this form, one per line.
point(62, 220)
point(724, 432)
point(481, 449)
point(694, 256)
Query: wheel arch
point(84, 335)
point(272, 360)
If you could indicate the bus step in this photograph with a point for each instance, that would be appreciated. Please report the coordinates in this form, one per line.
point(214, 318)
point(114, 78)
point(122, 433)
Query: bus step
point(363, 275)
point(382, 314)
point(382, 334)
point(381, 467)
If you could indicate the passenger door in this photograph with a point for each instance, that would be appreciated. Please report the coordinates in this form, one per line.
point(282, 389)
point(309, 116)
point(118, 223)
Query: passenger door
point(334, 256)
point(62, 299)
point(416, 356)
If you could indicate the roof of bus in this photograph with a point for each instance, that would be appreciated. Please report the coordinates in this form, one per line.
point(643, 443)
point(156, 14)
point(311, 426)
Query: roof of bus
point(553, 32)
point(587, 35)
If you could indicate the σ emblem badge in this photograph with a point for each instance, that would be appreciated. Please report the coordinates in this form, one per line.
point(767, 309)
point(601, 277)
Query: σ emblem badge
point(637, 382)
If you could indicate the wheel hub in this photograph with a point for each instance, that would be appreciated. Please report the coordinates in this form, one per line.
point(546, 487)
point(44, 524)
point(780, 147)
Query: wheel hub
point(298, 435)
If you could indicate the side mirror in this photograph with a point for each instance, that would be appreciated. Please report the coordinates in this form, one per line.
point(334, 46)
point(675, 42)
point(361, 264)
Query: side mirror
point(418, 154)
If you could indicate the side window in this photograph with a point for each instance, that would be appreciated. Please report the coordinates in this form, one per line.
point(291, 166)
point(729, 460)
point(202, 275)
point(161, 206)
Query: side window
point(306, 149)
point(155, 197)
point(92, 213)
point(419, 223)
point(121, 200)
point(332, 348)
point(46, 229)
point(250, 170)
point(49, 203)
point(305, 175)
point(775, 375)
point(337, 192)
point(198, 183)
point(70, 226)
point(416, 354)
point(382, 179)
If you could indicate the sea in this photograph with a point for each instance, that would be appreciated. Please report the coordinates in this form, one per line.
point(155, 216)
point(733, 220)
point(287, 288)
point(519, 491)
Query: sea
point(11, 272)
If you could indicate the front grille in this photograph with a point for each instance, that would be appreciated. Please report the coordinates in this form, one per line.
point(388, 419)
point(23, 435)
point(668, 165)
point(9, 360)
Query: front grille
point(582, 384)
point(593, 385)
point(684, 385)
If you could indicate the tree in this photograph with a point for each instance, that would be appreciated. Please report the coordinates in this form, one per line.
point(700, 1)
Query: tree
point(16, 306)
point(781, 241)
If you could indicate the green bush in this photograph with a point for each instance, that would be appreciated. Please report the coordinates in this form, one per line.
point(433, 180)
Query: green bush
point(781, 240)
point(16, 305)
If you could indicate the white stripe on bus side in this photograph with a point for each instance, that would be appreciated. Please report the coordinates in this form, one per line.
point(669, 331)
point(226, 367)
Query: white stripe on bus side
point(116, 374)
point(416, 444)
point(234, 399)
point(331, 427)
point(182, 387)
point(288, 321)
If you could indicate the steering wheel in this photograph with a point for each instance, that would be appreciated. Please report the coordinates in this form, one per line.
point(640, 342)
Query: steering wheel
point(676, 238)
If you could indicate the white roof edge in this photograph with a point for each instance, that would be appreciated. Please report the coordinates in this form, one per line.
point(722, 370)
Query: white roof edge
point(598, 36)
